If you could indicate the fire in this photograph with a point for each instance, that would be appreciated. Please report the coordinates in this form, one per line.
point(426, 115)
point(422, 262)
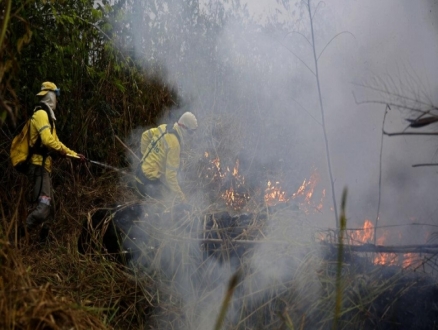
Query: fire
point(217, 163)
point(307, 187)
point(240, 178)
point(320, 205)
point(214, 169)
point(387, 259)
point(411, 260)
point(366, 235)
point(234, 199)
point(236, 195)
point(306, 193)
point(274, 194)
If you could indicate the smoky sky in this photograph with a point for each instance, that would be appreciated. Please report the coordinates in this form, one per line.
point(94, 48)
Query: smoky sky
point(269, 97)
point(394, 49)
point(255, 88)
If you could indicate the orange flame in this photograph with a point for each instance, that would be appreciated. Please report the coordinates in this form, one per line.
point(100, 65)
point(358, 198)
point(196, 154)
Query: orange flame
point(305, 193)
point(321, 205)
point(365, 235)
point(307, 187)
point(387, 259)
point(274, 194)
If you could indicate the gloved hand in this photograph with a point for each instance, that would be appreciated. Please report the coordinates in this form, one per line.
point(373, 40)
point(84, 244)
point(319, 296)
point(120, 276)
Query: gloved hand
point(82, 158)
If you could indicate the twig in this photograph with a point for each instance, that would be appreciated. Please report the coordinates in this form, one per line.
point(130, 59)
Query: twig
point(340, 247)
point(395, 94)
point(380, 173)
point(420, 248)
point(236, 241)
point(322, 51)
point(426, 164)
point(395, 105)
point(409, 133)
point(127, 148)
point(329, 165)
point(5, 22)
point(9, 110)
point(227, 299)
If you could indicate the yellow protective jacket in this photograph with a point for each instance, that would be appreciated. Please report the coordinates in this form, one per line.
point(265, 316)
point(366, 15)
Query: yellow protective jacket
point(163, 161)
point(40, 126)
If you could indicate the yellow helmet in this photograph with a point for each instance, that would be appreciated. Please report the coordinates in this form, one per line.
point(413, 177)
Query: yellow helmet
point(49, 86)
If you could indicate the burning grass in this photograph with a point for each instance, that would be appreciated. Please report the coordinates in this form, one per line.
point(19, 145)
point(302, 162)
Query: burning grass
point(253, 231)
point(286, 280)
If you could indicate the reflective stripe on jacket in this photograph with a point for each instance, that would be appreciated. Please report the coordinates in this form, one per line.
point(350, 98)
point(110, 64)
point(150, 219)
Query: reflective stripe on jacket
point(40, 126)
point(163, 161)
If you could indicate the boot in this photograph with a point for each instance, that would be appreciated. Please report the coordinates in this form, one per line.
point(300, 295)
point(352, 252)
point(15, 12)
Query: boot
point(44, 235)
point(40, 214)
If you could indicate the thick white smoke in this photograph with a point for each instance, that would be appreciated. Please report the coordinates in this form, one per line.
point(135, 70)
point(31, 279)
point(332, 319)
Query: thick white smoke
point(270, 89)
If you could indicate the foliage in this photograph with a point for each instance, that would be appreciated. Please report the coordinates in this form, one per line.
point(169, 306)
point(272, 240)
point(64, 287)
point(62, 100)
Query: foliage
point(11, 45)
point(74, 45)
point(28, 305)
point(113, 83)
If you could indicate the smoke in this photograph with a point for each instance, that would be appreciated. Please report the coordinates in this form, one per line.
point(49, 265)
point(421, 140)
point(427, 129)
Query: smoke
point(258, 84)
point(393, 50)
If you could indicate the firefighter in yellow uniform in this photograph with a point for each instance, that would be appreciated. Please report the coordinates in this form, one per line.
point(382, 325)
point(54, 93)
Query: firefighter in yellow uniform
point(43, 139)
point(160, 162)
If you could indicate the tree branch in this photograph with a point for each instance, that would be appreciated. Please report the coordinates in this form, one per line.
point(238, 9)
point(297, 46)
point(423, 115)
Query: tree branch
point(409, 133)
point(332, 40)
point(426, 164)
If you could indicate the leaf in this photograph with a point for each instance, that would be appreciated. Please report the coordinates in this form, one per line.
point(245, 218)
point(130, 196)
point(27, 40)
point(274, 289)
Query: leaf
point(96, 14)
point(5, 68)
point(23, 41)
point(3, 116)
point(119, 85)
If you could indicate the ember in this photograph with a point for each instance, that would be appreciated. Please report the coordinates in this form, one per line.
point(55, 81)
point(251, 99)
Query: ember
point(388, 259)
point(365, 236)
point(234, 199)
point(236, 195)
point(305, 193)
point(274, 194)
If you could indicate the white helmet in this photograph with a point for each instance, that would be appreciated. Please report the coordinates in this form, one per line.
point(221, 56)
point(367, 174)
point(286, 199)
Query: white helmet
point(188, 121)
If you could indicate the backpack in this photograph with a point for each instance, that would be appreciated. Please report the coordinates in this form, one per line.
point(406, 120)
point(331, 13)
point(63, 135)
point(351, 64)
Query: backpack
point(20, 152)
point(139, 172)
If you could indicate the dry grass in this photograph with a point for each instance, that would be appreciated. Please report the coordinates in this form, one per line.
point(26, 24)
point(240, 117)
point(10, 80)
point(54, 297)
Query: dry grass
point(27, 302)
point(288, 282)
point(286, 279)
point(53, 286)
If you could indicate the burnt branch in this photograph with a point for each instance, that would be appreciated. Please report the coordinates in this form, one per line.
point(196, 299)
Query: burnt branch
point(409, 133)
point(426, 164)
point(421, 248)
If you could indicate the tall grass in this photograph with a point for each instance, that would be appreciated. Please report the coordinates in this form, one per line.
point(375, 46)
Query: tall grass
point(287, 282)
